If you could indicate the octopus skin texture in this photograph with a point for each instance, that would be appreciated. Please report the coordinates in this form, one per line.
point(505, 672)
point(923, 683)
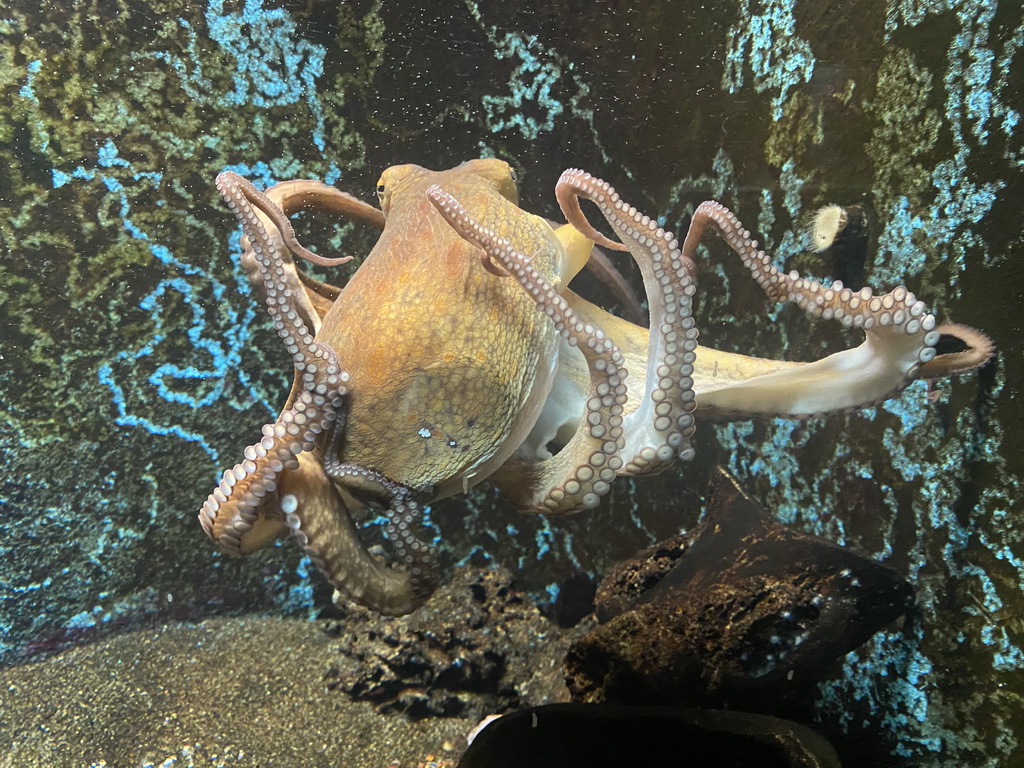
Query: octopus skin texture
point(432, 369)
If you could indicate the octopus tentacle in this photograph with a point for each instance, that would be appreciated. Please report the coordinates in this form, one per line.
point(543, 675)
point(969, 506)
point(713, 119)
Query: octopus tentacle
point(261, 202)
point(900, 336)
point(772, 281)
point(315, 361)
point(312, 297)
point(569, 202)
point(401, 511)
point(316, 514)
point(980, 349)
point(235, 515)
point(297, 194)
point(659, 429)
point(233, 509)
point(880, 316)
point(582, 472)
point(604, 270)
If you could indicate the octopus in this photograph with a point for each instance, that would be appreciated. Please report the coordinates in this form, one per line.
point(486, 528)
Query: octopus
point(432, 369)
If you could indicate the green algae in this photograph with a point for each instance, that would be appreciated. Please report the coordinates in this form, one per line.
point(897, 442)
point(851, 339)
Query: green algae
point(906, 132)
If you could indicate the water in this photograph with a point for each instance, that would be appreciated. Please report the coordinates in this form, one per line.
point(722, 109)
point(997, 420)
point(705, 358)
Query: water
point(137, 362)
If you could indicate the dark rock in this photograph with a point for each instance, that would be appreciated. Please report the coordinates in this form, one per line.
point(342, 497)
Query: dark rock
point(477, 647)
point(749, 608)
point(628, 580)
point(596, 736)
point(575, 600)
point(850, 249)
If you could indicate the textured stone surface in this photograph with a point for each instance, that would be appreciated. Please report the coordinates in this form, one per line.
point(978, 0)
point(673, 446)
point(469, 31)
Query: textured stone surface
point(476, 648)
point(135, 362)
point(749, 612)
point(627, 581)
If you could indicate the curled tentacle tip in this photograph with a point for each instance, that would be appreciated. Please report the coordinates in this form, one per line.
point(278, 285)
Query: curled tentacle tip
point(571, 185)
point(325, 261)
point(980, 350)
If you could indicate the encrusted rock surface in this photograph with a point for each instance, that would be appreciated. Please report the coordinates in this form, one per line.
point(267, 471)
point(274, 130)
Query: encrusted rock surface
point(745, 610)
point(629, 580)
point(476, 648)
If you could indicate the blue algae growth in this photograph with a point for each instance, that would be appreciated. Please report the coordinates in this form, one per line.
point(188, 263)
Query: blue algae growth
point(765, 40)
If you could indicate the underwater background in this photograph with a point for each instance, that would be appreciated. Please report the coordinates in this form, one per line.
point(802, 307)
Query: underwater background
point(135, 361)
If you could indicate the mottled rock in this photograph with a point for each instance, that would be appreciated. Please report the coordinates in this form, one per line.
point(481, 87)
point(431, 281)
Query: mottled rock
point(631, 578)
point(749, 608)
point(604, 735)
point(477, 647)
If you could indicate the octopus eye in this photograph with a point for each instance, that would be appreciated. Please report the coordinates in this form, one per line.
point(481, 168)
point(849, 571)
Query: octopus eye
point(380, 190)
point(512, 173)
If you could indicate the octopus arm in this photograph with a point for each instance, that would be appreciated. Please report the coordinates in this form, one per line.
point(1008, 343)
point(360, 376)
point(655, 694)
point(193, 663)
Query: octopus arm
point(311, 297)
point(241, 513)
point(582, 472)
point(853, 378)
point(318, 516)
point(899, 346)
point(582, 252)
point(735, 386)
point(978, 350)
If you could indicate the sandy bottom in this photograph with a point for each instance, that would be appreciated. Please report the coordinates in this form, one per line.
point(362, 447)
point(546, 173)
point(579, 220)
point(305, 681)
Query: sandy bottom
point(224, 692)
